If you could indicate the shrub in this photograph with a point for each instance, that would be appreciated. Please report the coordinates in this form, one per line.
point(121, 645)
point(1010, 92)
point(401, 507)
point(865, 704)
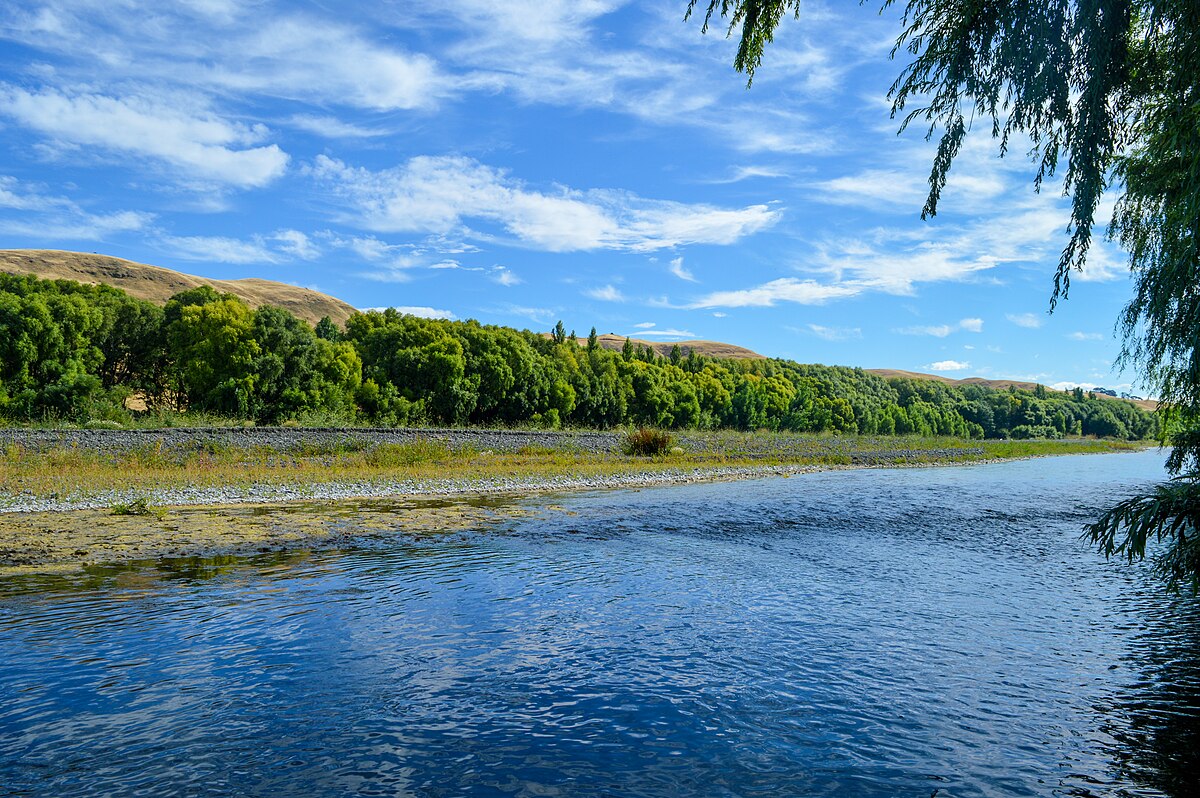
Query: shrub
point(136, 507)
point(645, 442)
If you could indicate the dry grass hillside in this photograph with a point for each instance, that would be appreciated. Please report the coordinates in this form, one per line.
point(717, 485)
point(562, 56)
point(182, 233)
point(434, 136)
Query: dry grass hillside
point(663, 348)
point(156, 284)
point(999, 385)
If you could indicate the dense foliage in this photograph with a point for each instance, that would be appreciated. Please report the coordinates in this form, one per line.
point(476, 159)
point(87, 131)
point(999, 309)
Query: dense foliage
point(77, 352)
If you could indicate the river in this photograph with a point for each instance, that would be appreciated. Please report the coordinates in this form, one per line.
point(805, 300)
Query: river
point(903, 632)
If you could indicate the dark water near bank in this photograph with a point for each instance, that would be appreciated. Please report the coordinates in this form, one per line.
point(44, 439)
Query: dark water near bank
point(862, 633)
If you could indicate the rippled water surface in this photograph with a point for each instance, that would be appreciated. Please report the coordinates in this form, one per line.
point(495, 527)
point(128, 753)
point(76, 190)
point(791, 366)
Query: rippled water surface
point(859, 633)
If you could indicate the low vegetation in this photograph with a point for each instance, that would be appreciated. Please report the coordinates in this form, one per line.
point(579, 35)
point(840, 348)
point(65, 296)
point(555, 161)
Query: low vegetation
point(648, 442)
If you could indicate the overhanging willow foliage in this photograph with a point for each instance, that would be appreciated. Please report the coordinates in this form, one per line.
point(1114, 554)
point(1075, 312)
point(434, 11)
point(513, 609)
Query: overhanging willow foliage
point(1111, 89)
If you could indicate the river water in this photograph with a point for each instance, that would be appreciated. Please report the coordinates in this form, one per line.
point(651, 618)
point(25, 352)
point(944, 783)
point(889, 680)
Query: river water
point(855, 633)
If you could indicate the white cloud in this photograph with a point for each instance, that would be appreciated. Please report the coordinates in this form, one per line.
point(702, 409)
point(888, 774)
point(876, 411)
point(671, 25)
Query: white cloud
point(1028, 320)
point(279, 247)
point(785, 289)
point(196, 141)
point(948, 365)
point(440, 194)
point(676, 268)
point(504, 276)
point(46, 218)
point(220, 249)
point(943, 330)
point(663, 334)
point(537, 315)
point(740, 173)
point(295, 243)
point(371, 248)
point(1082, 336)
point(315, 59)
point(835, 333)
point(247, 48)
point(901, 189)
point(332, 128)
point(425, 312)
point(607, 293)
point(645, 325)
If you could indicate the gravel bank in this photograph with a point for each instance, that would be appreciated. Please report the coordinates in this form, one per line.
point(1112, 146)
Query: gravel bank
point(313, 440)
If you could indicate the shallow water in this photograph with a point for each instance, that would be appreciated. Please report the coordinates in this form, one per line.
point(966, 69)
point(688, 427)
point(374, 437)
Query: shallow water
point(856, 633)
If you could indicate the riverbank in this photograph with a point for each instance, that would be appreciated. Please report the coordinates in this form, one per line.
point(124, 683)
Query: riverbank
point(73, 497)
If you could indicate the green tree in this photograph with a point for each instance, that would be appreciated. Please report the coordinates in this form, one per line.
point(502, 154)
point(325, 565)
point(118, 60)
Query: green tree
point(212, 345)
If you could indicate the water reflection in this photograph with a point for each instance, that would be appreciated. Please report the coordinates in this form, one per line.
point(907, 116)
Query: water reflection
point(860, 633)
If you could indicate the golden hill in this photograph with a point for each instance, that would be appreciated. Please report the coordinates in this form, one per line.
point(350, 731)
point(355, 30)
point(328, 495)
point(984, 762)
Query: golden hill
point(156, 284)
point(998, 385)
point(663, 348)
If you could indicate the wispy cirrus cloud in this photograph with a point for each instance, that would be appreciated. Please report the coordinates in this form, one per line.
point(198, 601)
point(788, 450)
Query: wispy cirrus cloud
point(1030, 321)
point(676, 268)
point(239, 49)
point(835, 333)
point(32, 213)
point(785, 289)
point(670, 333)
point(606, 293)
point(943, 330)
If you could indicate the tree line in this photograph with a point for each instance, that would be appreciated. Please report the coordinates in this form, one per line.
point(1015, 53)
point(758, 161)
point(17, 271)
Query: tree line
point(77, 352)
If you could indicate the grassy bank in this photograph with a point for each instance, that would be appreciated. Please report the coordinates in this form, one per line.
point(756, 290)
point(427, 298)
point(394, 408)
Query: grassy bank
point(81, 472)
point(168, 502)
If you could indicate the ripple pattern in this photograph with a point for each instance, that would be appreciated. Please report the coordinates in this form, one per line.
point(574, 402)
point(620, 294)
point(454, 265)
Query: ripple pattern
point(862, 633)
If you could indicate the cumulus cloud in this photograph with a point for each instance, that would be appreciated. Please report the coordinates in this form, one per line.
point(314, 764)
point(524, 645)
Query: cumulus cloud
point(948, 365)
point(1082, 336)
point(197, 141)
point(1028, 320)
point(443, 194)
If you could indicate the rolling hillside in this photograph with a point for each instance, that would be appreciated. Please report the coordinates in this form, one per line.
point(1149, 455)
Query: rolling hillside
point(156, 284)
point(663, 348)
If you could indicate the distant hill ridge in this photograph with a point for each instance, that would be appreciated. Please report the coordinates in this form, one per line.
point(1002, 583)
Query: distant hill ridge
point(156, 284)
point(997, 385)
point(663, 348)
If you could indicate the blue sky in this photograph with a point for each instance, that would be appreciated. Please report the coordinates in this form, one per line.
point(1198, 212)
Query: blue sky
point(595, 161)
